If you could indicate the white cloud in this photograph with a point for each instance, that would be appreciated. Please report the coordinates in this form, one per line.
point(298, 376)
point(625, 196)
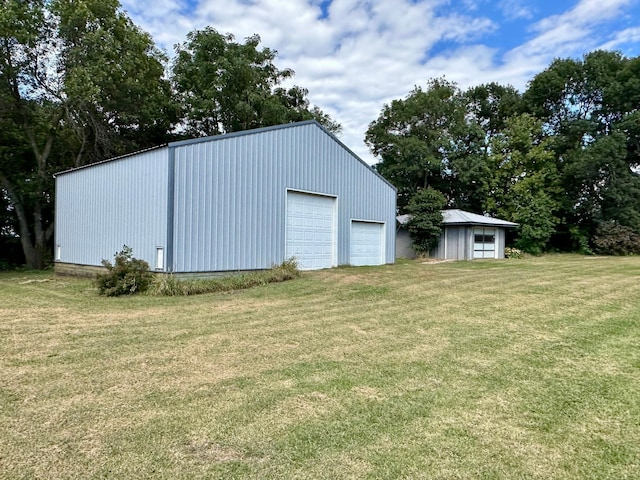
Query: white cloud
point(628, 35)
point(514, 9)
point(572, 33)
point(365, 53)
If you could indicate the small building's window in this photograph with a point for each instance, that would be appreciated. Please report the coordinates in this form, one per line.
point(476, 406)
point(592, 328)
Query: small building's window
point(58, 252)
point(484, 243)
point(159, 258)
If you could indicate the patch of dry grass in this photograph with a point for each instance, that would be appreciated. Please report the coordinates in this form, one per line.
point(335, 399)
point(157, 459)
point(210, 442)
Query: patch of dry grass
point(499, 369)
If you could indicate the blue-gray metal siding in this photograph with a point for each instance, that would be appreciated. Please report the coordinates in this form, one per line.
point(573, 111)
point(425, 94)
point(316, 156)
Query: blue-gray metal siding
point(230, 196)
point(458, 240)
point(453, 243)
point(102, 207)
point(500, 241)
point(404, 244)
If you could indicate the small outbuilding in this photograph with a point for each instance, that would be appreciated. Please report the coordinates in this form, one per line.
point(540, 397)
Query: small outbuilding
point(465, 236)
point(235, 202)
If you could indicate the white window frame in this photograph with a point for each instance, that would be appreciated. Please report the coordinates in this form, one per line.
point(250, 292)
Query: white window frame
point(159, 258)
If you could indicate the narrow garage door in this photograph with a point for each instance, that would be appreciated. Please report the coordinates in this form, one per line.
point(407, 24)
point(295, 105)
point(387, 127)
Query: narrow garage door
point(367, 243)
point(484, 243)
point(310, 234)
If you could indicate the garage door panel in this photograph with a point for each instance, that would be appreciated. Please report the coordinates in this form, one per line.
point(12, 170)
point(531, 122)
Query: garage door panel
point(367, 243)
point(310, 235)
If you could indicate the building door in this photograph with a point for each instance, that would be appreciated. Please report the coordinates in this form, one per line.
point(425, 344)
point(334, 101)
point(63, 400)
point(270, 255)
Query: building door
point(367, 243)
point(311, 230)
point(484, 242)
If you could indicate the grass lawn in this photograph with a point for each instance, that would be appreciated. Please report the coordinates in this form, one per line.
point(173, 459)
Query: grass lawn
point(490, 369)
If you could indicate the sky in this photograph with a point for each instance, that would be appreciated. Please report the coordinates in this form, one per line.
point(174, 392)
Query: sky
point(355, 56)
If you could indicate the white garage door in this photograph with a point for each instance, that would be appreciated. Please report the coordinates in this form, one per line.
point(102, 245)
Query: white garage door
point(367, 243)
point(484, 243)
point(310, 234)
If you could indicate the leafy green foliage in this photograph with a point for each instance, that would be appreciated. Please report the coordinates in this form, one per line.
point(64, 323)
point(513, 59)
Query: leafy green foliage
point(225, 86)
point(590, 107)
point(114, 79)
point(525, 182)
point(612, 238)
point(425, 223)
point(170, 285)
point(78, 83)
point(560, 159)
point(126, 276)
point(416, 137)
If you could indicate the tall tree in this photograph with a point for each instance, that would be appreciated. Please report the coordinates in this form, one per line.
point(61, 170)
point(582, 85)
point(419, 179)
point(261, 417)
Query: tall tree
point(525, 185)
point(226, 86)
point(590, 106)
point(440, 137)
point(416, 137)
point(487, 109)
point(491, 105)
point(563, 159)
point(78, 82)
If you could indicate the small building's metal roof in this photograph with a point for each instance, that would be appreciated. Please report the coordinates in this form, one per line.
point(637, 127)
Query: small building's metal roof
point(403, 219)
point(460, 217)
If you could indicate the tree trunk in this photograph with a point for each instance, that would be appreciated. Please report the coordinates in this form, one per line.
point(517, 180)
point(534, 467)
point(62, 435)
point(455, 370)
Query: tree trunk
point(33, 252)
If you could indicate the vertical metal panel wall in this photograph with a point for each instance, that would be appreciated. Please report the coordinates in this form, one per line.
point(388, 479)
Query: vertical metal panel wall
point(106, 205)
point(453, 243)
point(230, 195)
point(456, 242)
point(500, 242)
point(404, 245)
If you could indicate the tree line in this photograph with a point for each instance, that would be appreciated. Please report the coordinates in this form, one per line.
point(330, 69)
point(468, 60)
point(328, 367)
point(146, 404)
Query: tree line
point(80, 82)
point(561, 158)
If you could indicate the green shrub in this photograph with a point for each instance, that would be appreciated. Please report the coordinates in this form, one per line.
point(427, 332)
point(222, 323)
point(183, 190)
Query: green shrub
point(611, 238)
point(425, 223)
point(169, 285)
point(580, 240)
point(128, 275)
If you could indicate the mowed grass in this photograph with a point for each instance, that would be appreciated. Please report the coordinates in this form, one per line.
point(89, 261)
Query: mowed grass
point(493, 369)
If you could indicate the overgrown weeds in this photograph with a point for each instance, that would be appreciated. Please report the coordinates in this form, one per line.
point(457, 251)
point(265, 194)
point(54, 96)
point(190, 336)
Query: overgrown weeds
point(170, 285)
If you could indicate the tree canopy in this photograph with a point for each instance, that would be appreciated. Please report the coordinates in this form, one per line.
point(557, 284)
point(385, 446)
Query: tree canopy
point(561, 159)
point(225, 86)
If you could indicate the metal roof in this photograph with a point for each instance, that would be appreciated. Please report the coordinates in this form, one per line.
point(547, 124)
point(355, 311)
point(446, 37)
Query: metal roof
point(460, 217)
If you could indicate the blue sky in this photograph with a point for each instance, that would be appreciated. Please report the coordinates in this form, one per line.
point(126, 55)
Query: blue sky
point(356, 55)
